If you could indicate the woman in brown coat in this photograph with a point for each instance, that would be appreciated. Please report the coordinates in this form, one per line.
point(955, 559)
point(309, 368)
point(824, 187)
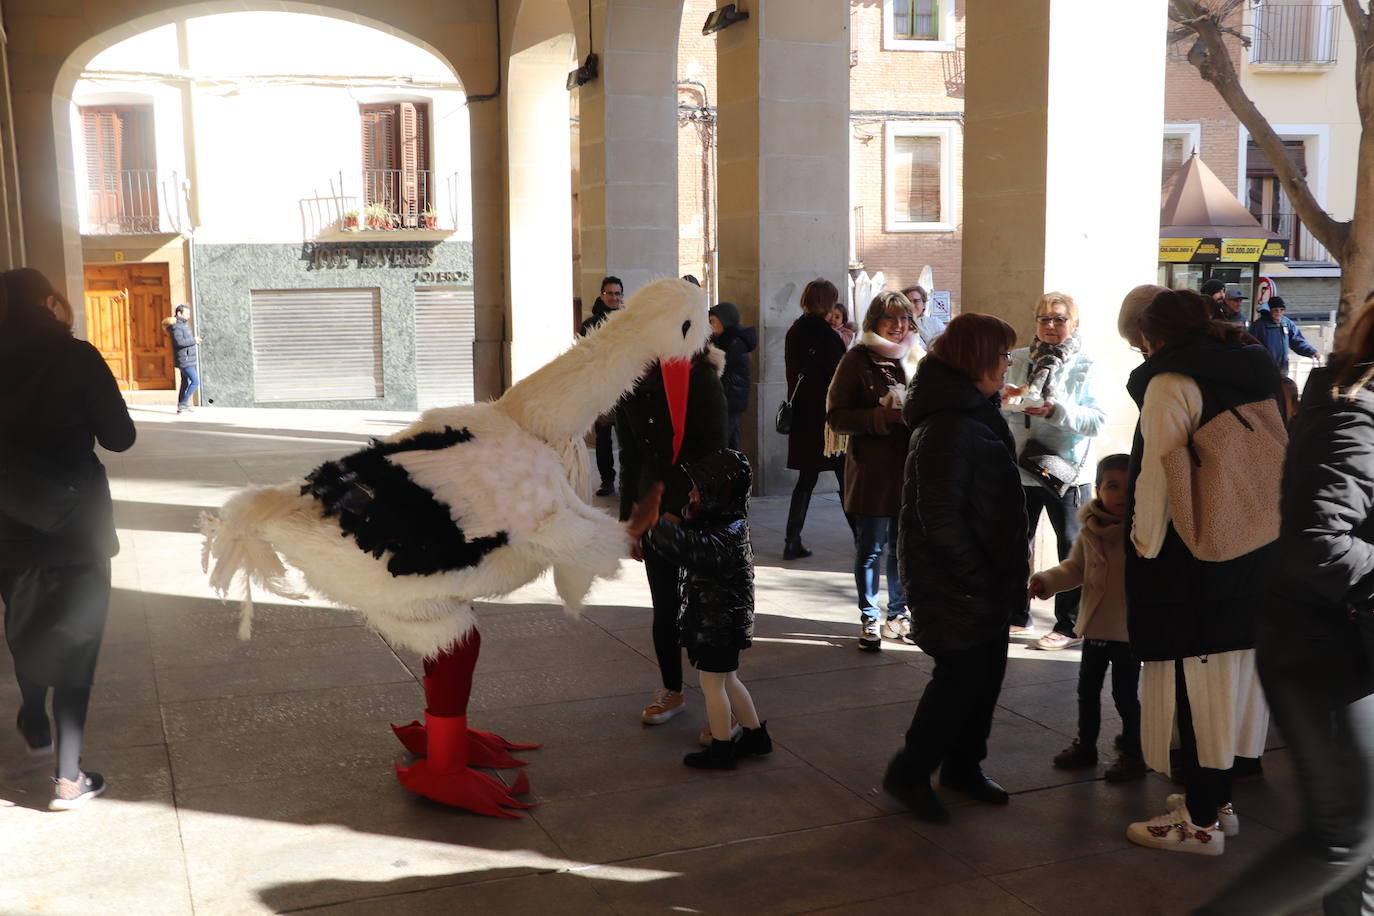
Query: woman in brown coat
point(865, 404)
point(813, 350)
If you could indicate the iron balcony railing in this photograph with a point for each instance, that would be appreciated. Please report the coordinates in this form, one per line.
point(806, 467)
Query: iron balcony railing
point(1294, 33)
point(1302, 245)
point(133, 201)
point(398, 199)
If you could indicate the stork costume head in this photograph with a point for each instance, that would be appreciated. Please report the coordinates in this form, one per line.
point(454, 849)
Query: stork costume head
point(468, 502)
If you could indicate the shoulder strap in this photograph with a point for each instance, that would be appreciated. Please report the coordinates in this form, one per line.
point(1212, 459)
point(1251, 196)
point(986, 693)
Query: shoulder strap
point(810, 358)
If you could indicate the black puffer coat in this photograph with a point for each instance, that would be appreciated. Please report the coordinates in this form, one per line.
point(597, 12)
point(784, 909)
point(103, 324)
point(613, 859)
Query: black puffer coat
point(1178, 606)
point(1325, 554)
point(736, 343)
point(184, 347)
point(714, 552)
point(57, 399)
point(645, 429)
point(962, 547)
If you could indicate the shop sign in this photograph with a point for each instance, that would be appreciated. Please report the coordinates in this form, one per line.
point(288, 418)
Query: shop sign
point(1201, 251)
point(366, 256)
point(442, 276)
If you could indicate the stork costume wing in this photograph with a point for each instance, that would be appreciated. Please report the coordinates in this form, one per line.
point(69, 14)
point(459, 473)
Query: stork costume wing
point(468, 502)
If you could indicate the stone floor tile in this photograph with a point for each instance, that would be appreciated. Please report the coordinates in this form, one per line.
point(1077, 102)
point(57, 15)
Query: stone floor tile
point(978, 897)
point(760, 800)
point(763, 876)
point(305, 712)
point(878, 683)
point(535, 895)
point(536, 684)
point(375, 665)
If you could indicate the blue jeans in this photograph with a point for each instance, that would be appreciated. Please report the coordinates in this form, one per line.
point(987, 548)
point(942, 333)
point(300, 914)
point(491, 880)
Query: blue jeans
point(190, 381)
point(872, 533)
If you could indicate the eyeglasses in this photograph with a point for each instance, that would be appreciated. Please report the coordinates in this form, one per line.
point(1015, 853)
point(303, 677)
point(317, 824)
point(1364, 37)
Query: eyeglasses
point(1059, 320)
point(1006, 354)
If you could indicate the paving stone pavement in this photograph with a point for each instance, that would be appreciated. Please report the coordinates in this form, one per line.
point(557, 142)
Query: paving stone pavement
point(257, 777)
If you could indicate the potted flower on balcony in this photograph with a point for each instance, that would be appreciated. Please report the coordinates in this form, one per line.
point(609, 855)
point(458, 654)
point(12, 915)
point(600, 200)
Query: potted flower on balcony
point(350, 221)
point(377, 216)
point(430, 219)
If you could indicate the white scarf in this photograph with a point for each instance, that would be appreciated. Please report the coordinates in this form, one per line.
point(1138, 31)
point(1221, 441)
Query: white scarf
point(908, 351)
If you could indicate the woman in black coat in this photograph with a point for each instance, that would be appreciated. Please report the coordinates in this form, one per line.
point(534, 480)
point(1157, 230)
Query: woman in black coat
point(812, 351)
point(962, 552)
point(57, 399)
point(644, 426)
point(1316, 646)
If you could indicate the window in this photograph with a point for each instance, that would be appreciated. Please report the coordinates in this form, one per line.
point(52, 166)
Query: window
point(121, 183)
point(919, 169)
point(397, 181)
point(1180, 142)
point(316, 344)
point(918, 25)
point(1268, 202)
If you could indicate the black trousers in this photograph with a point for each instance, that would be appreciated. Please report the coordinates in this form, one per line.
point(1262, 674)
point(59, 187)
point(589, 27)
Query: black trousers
point(605, 452)
point(665, 591)
point(1332, 742)
point(801, 501)
point(954, 716)
point(1205, 788)
point(1063, 513)
point(1098, 654)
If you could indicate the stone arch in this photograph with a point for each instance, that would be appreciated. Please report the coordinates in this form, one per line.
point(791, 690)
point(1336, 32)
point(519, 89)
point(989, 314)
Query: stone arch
point(47, 53)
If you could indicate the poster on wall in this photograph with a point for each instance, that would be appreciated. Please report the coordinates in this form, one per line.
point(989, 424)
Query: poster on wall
point(940, 304)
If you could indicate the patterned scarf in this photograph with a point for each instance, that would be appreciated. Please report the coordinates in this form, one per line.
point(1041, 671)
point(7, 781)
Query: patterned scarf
point(1045, 360)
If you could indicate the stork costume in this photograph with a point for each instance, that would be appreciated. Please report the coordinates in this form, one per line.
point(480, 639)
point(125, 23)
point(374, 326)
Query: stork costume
point(468, 502)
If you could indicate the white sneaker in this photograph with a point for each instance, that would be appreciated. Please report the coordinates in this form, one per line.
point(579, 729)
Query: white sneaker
point(69, 794)
point(1226, 814)
point(896, 627)
point(1175, 833)
point(870, 636)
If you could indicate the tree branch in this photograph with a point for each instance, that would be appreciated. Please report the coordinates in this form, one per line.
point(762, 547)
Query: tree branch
point(1212, 59)
point(1359, 23)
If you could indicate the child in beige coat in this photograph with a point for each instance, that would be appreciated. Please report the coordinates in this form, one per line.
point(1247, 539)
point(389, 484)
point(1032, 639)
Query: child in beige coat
point(1098, 564)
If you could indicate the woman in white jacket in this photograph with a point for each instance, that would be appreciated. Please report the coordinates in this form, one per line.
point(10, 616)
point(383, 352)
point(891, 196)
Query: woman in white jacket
point(1054, 380)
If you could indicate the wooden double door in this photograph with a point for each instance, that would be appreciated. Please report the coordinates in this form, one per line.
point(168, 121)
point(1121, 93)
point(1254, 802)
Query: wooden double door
point(125, 308)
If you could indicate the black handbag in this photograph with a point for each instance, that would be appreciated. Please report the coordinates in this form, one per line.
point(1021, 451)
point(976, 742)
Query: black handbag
point(782, 420)
point(1054, 472)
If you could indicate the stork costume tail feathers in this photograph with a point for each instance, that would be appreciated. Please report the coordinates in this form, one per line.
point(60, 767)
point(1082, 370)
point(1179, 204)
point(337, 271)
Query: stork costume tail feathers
point(469, 502)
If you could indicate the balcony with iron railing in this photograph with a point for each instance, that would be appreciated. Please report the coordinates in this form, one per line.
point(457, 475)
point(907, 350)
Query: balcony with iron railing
point(1294, 36)
point(391, 200)
point(1303, 246)
point(134, 202)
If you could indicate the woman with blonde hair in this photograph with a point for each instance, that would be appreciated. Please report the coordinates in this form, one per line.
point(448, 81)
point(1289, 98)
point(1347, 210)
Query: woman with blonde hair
point(1053, 410)
point(964, 560)
point(865, 404)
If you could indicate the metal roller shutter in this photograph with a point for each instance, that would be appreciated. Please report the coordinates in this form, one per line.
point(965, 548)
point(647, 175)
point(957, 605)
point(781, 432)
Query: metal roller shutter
point(317, 344)
point(445, 327)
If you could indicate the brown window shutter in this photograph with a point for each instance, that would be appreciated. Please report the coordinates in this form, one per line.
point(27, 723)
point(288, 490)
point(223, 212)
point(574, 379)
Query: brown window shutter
point(916, 179)
point(410, 164)
point(1257, 164)
point(380, 161)
point(102, 128)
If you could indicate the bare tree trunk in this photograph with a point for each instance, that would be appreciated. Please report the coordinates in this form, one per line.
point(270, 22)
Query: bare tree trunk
point(1356, 257)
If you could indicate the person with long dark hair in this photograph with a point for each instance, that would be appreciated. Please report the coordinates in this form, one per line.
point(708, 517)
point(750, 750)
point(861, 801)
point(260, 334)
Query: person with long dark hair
point(1316, 647)
point(57, 400)
point(1191, 622)
point(964, 560)
point(811, 352)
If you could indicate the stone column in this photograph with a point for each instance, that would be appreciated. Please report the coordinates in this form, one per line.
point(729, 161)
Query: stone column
point(1062, 142)
point(628, 144)
point(783, 180)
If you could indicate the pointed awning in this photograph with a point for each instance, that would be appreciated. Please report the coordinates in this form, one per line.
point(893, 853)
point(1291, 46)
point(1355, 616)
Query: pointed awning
point(1200, 220)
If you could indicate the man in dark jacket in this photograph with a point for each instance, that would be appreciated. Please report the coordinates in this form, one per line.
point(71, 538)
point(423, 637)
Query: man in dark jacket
point(736, 343)
point(185, 356)
point(1279, 334)
point(611, 299)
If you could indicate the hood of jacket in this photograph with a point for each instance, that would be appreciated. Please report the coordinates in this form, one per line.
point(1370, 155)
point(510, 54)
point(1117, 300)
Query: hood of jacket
point(939, 386)
point(749, 337)
point(600, 310)
point(1092, 514)
point(727, 313)
point(1247, 368)
point(722, 480)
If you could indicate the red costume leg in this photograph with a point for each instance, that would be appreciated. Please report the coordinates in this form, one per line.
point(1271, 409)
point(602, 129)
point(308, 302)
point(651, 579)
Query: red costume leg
point(444, 774)
point(448, 695)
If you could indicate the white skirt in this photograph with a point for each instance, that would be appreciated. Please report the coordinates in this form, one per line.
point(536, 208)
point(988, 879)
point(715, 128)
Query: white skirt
point(1230, 716)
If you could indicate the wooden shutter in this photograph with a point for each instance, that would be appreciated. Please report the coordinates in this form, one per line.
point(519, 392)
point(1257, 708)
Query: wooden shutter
point(380, 155)
point(1257, 164)
point(916, 179)
point(445, 328)
point(102, 128)
point(317, 344)
point(410, 164)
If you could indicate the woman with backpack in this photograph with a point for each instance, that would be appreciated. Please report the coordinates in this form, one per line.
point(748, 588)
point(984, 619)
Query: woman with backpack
point(1192, 622)
point(57, 400)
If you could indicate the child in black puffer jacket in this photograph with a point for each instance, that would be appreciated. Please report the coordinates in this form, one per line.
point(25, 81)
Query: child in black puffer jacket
point(711, 544)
